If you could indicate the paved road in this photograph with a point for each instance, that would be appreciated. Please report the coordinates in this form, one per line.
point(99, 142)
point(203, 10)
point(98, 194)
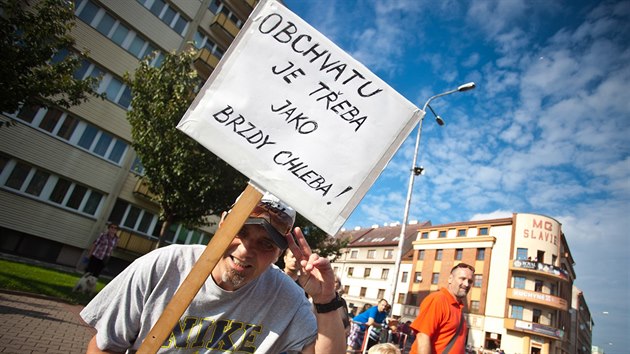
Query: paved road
point(31, 324)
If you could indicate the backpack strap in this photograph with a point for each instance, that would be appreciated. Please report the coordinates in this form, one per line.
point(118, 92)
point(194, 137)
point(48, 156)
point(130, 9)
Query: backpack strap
point(459, 328)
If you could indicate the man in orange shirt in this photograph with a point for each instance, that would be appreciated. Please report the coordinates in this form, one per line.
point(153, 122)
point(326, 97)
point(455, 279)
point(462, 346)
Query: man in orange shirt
point(440, 323)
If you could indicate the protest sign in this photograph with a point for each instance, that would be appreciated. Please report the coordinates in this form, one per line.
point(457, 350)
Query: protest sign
point(299, 117)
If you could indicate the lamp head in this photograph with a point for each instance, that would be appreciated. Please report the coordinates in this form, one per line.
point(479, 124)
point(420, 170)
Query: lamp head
point(439, 120)
point(466, 87)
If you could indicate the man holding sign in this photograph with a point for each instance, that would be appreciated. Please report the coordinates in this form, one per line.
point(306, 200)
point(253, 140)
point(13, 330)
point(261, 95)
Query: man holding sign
point(247, 305)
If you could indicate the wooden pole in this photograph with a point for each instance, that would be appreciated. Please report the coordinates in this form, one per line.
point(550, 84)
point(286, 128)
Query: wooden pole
point(201, 270)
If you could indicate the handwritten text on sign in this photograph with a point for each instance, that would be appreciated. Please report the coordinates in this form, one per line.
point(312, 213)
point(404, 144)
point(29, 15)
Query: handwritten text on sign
point(299, 117)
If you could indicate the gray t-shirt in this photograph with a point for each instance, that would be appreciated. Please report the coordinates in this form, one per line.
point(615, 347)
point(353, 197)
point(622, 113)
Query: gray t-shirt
point(268, 315)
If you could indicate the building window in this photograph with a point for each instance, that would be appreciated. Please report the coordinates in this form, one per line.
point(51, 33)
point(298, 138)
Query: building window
point(442, 234)
point(401, 298)
point(389, 254)
point(481, 254)
point(363, 291)
point(521, 253)
point(128, 39)
point(202, 41)
point(461, 233)
point(63, 126)
point(483, 231)
point(41, 185)
point(474, 306)
point(381, 294)
point(478, 280)
point(459, 253)
point(167, 14)
point(417, 277)
point(346, 289)
point(403, 278)
point(435, 278)
point(538, 286)
point(519, 282)
point(536, 316)
point(438, 255)
point(385, 274)
point(366, 272)
point(424, 235)
point(421, 255)
point(354, 254)
point(371, 254)
point(350, 271)
point(517, 312)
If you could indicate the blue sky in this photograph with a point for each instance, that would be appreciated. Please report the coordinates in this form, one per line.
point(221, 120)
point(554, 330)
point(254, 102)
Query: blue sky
point(546, 131)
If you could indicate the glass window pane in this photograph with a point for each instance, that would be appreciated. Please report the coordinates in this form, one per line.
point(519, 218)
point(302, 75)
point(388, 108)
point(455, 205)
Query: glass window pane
point(92, 203)
point(147, 50)
point(118, 150)
point(198, 40)
point(37, 183)
point(87, 137)
point(79, 74)
point(113, 89)
point(125, 98)
point(103, 144)
point(169, 15)
point(67, 127)
point(50, 120)
point(17, 176)
point(88, 12)
point(60, 190)
point(145, 222)
point(132, 217)
point(96, 72)
point(180, 25)
point(3, 162)
point(27, 113)
point(59, 56)
point(120, 34)
point(214, 6)
point(118, 212)
point(157, 7)
point(136, 45)
point(76, 197)
point(106, 24)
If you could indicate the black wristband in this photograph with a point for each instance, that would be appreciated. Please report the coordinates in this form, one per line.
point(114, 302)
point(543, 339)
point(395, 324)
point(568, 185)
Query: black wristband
point(331, 306)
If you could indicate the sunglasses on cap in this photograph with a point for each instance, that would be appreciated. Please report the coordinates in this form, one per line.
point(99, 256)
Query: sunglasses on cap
point(275, 222)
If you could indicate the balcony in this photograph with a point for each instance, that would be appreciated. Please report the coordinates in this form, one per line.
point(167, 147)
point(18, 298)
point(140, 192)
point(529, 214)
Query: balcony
point(141, 189)
point(224, 29)
point(539, 268)
point(244, 7)
point(538, 298)
point(205, 62)
point(513, 324)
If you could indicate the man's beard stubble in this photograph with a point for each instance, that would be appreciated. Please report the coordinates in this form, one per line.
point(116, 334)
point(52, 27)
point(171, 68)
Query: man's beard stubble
point(233, 277)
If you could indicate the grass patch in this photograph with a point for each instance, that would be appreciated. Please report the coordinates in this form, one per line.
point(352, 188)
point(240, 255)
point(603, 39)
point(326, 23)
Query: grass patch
point(42, 281)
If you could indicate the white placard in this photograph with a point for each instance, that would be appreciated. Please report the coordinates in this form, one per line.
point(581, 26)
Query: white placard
point(299, 117)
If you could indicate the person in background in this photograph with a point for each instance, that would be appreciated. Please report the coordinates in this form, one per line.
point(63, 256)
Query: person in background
point(343, 311)
point(247, 304)
point(102, 249)
point(374, 316)
point(440, 323)
point(384, 348)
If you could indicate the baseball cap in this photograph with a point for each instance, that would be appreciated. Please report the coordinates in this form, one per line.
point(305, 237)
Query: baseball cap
point(275, 217)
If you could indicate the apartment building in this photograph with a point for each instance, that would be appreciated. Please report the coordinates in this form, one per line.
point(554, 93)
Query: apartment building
point(367, 265)
point(522, 295)
point(65, 173)
point(581, 324)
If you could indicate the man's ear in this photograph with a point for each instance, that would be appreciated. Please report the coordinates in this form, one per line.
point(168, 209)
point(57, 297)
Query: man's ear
point(223, 216)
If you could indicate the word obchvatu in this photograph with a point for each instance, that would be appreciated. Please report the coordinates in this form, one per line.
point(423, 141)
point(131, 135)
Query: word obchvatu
point(273, 25)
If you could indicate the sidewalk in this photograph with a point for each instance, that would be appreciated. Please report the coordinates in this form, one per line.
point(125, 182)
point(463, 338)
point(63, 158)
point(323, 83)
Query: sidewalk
point(32, 324)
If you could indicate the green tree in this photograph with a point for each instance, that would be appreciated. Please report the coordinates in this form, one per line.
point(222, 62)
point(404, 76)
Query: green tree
point(29, 38)
point(184, 178)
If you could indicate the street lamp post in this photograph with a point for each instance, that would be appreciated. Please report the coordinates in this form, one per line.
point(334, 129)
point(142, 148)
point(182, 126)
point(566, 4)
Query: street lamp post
point(415, 171)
